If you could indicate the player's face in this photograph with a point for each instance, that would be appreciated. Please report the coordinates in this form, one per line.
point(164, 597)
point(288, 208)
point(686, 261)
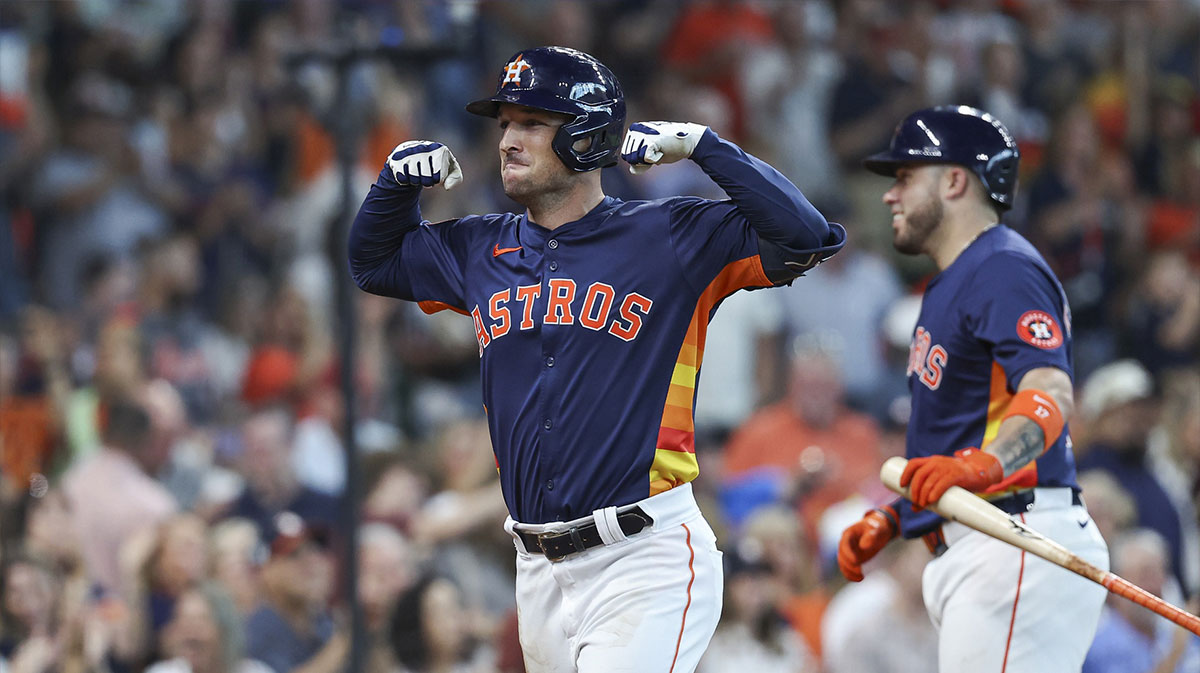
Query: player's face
point(916, 207)
point(529, 168)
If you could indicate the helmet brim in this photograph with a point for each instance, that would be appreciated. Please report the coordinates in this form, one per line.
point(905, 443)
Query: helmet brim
point(490, 107)
point(882, 164)
point(888, 163)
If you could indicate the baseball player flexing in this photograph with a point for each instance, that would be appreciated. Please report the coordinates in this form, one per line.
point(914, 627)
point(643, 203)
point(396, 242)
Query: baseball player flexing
point(591, 314)
point(990, 374)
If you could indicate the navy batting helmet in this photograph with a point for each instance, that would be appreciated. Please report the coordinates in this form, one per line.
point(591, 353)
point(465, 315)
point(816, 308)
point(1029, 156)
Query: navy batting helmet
point(955, 134)
point(569, 82)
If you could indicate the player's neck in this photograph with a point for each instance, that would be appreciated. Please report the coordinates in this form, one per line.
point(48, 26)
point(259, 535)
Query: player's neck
point(554, 210)
point(959, 236)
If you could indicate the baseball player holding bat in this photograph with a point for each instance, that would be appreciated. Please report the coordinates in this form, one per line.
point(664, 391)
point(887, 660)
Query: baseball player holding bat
point(990, 375)
point(590, 314)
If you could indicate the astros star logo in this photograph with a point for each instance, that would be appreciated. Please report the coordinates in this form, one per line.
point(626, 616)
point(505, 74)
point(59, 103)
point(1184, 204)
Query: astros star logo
point(512, 71)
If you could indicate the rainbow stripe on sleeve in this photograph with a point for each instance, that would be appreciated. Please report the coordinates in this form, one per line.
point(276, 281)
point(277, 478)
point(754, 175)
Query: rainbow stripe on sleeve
point(999, 400)
point(675, 450)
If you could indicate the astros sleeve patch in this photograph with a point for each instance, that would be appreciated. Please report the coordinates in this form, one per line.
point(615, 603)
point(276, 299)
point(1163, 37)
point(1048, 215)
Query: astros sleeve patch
point(1038, 328)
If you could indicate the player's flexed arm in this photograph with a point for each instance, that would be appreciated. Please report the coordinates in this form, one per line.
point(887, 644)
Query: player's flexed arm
point(391, 211)
point(794, 236)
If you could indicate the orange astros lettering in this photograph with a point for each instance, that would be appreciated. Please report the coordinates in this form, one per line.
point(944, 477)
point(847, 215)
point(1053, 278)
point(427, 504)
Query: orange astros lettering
point(599, 308)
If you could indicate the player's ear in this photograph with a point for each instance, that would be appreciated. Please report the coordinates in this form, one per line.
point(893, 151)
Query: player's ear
point(956, 182)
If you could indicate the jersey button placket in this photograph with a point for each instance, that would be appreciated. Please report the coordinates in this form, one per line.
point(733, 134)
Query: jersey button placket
point(553, 266)
point(552, 244)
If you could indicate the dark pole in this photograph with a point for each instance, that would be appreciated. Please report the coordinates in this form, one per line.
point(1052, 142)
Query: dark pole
point(346, 129)
point(345, 119)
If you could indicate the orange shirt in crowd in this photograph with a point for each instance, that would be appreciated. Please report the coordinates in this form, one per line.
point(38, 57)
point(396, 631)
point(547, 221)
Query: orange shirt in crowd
point(26, 438)
point(776, 437)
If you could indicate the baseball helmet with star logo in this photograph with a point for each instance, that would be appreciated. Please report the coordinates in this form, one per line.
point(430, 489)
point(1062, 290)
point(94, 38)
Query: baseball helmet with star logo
point(569, 82)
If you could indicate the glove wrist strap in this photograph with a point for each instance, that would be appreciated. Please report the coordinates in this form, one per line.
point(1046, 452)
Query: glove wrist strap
point(890, 516)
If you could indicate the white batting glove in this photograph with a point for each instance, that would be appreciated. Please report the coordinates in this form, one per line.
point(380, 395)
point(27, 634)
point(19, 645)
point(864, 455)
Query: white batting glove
point(424, 163)
point(650, 143)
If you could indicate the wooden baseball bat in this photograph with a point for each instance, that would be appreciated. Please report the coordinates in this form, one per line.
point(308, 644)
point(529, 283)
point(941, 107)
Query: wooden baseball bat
point(959, 504)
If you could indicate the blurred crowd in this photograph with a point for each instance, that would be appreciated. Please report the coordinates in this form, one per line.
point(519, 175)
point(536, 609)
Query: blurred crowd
point(172, 431)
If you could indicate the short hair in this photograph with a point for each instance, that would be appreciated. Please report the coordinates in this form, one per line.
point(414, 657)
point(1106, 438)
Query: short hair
point(126, 424)
point(1144, 539)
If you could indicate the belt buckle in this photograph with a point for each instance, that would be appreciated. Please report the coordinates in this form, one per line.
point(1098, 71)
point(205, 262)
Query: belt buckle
point(573, 532)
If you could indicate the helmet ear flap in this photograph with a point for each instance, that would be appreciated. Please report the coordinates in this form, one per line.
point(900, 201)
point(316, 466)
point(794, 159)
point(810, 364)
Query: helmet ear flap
point(591, 141)
point(1000, 175)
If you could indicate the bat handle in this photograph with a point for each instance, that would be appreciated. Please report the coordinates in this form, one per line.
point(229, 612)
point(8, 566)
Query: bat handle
point(1126, 589)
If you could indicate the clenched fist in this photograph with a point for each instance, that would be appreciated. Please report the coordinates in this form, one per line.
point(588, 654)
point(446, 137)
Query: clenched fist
point(424, 163)
point(863, 540)
point(651, 143)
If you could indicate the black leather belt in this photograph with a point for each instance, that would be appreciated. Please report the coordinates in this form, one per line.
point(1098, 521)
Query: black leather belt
point(558, 545)
point(1016, 503)
point(1022, 501)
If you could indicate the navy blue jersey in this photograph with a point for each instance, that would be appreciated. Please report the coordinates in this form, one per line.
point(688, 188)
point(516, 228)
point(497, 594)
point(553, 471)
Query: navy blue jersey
point(591, 336)
point(994, 314)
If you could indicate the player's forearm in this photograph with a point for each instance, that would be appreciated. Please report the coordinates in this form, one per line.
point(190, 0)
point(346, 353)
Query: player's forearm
point(1020, 440)
point(1018, 443)
point(389, 212)
point(775, 207)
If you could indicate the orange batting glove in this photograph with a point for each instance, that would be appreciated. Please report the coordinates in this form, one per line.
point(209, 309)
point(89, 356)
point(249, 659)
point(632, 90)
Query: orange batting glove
point(863, 540)
point(930, 477)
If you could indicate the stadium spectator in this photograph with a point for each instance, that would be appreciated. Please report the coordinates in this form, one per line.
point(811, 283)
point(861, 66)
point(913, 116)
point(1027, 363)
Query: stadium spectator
point(433, 632)
point(1131, 638)
point(294, 626)
point(1118, 401)
point(113, 494)
point(811, 438)
point(204, 635)
point(271, 486)
point(387, 568)
point(753, 634)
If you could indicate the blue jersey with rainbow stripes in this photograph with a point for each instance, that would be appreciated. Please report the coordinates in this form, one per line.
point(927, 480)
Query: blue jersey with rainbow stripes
point(994, 314)
point(591, 336)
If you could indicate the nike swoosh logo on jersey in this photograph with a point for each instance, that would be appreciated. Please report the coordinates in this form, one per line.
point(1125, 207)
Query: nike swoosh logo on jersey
point(497, 250)
point(1083, 524)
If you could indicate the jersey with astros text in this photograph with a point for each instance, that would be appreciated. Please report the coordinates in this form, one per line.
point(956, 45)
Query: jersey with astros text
point(591, 336)
point(993, 315)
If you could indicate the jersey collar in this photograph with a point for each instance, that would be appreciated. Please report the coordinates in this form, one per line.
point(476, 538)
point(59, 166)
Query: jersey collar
point(533, 233)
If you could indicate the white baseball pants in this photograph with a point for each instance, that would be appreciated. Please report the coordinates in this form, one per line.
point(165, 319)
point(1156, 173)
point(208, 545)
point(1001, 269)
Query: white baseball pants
point(999, 609)
point(646, 604)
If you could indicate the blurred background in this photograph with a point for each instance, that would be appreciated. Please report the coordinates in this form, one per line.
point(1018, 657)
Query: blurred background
point(172, 427)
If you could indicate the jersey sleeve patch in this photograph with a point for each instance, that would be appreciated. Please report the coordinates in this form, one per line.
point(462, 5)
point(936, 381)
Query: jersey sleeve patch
point(1038, 328)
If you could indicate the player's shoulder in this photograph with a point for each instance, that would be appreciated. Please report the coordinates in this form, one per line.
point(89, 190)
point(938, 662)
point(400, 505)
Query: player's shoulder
point(664, 204)
point(1010, 240)
point(1005, 253)
point(673, 210)
point(473, 224)
point(685, 208)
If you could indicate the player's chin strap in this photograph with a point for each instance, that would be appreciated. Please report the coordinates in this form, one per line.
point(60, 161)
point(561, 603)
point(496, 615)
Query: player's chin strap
point(608, 526)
